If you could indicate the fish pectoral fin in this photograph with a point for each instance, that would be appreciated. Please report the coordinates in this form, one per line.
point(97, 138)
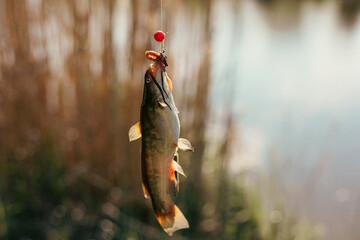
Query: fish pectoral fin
point(185, 145)
point(146, 192)
point(135, 132)
point(178, 168)
point(162, 104)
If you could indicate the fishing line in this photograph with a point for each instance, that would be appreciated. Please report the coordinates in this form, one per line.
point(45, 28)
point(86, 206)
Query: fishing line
point(161, 48)
point(159, 35)
point(161, 15)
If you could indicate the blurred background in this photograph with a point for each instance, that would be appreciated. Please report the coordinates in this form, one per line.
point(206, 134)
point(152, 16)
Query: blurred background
point(268, 93)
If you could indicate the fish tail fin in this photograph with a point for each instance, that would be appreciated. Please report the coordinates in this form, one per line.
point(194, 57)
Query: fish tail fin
point(172, 221)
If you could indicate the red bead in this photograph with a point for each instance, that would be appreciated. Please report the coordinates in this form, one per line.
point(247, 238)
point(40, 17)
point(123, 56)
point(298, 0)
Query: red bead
point(159, 36)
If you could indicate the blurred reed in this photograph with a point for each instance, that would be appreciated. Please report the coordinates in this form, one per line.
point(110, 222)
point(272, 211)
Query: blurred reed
point(69, 92)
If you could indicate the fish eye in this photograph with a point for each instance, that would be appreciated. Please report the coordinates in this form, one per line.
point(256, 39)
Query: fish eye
point(147, 80)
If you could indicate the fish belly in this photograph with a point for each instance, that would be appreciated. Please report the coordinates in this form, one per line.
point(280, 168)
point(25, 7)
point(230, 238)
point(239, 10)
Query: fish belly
point(160, 133)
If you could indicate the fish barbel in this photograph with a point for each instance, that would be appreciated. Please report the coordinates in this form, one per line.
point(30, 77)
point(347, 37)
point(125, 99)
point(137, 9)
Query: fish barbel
point(159, 128)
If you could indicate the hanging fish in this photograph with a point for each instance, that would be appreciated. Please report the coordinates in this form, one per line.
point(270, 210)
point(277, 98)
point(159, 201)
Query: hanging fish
point(159, 128)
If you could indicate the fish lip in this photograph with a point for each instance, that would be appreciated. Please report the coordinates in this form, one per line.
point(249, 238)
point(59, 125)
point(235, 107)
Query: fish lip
point(157, 58)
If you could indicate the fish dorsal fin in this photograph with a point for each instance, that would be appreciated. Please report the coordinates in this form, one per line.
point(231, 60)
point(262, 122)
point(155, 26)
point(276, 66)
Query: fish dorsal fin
point(176, 166)
point(135, 132)
point(146, 192)
point(185, 145)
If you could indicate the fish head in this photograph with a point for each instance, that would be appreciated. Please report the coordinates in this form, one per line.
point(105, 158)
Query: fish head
point(157, 85)
point(153, 87)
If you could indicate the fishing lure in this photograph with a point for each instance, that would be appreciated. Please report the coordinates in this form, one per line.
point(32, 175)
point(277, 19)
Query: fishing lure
point(159, 128)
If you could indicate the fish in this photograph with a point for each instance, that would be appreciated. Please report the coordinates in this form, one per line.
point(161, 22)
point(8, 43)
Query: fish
point(159, 130)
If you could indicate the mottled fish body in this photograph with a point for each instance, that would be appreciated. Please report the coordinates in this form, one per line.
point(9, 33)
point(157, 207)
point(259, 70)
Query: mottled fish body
point(159, 128)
